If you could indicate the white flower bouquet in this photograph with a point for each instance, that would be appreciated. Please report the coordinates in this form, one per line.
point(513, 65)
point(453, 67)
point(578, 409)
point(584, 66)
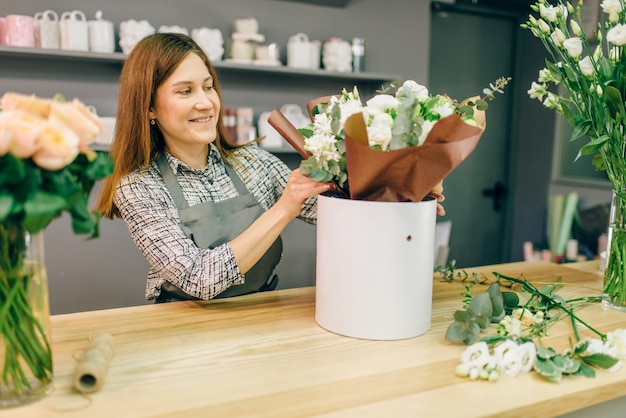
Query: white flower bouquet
point(396, 148)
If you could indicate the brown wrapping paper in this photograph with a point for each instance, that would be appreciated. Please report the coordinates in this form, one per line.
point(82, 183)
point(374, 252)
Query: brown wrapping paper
point(407, 174)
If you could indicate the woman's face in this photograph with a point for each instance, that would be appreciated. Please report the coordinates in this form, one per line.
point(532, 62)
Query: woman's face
point(187, 106)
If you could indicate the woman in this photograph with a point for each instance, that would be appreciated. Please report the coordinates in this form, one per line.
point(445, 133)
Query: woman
point(207, 215)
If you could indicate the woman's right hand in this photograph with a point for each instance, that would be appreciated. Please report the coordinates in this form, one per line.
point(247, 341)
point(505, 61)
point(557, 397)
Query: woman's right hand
point(299, 188)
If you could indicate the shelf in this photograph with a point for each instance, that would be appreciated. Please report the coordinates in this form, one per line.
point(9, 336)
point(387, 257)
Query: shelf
point(119, 58)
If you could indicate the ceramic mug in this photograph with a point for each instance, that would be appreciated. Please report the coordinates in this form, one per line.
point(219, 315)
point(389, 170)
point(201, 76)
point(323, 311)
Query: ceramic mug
point(3, 21)
point(74, 32)
point(19, 30)
point(269, 53)
point(47, 30)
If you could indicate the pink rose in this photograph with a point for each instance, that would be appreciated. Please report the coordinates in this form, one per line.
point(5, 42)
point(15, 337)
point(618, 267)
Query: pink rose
point(76, 117)
point(58, 147)
point(24, 130)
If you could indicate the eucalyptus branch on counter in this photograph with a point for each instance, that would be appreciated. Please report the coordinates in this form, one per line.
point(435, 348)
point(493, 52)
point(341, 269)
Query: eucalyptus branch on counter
point(520, 325)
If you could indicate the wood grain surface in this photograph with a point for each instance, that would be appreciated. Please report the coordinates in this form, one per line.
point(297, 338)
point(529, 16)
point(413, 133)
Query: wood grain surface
point(263, 355)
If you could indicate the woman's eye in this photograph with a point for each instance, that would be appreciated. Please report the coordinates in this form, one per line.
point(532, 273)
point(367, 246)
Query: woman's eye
point(208, 88)
point(186, 91)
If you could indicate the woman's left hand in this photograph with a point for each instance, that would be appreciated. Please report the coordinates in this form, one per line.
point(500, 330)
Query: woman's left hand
point(298, 189)
point(437, 193)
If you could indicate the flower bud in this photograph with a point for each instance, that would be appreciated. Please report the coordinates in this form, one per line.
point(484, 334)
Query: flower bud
point(575, 28)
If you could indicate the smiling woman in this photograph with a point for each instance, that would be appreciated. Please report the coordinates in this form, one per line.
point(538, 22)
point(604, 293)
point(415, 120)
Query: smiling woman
point(206, 214)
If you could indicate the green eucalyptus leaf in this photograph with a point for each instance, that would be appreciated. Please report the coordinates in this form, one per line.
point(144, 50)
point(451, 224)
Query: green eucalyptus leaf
point(456, 332)
point(497, 302)
point(481, 304)
point(510, 300)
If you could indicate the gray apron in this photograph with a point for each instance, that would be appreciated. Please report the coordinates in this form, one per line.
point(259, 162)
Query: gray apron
point(211, 224)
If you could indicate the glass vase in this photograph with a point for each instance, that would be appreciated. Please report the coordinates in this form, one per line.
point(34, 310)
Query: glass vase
point(25, 351)
point(615, 271)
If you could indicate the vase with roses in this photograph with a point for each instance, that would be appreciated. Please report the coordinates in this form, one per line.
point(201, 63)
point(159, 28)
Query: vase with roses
point(46, 169)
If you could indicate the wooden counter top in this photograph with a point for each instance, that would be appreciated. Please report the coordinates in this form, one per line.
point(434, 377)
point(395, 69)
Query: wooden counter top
point(263, 355)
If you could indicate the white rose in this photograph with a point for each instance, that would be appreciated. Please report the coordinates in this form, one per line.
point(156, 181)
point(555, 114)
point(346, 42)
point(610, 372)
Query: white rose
point(382, 103)
point(574, 47)
point(417, 89)
point(586, 66)
point(617, 35)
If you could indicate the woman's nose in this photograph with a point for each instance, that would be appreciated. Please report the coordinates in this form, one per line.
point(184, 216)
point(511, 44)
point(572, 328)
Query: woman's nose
point(203, 100)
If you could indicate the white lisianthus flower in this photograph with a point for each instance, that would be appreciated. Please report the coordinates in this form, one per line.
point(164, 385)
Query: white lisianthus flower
point(617, 339)
point(379, 130)
point(527, 353)
point(617, 35)
point(612, 8)
point(421, 92)
point(510, 326)
point(586, 66)
point(503, 349)
point(543, 26)
point(551, 101)
point(381, 103)
point(545, 76)
point(553, 13)
point(575, 27)
point(558, 37)
point(614, 54)
point(574, 47)
point(443, 108)
point(476, 355)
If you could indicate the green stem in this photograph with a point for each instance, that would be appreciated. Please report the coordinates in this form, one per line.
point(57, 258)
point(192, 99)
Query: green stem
point(553, 302)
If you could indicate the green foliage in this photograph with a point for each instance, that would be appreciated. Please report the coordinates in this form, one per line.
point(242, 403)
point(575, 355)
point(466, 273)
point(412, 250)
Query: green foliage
point(483, 309)
point(33, 197)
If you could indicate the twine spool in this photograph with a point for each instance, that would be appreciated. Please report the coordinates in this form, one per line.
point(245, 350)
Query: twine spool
point(93, 366)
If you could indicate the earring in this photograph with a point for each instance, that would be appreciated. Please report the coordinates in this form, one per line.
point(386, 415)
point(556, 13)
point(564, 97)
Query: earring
point(152, 122)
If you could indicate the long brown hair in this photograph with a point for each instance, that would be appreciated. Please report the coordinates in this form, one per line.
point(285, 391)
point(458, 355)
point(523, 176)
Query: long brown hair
point(137, 142)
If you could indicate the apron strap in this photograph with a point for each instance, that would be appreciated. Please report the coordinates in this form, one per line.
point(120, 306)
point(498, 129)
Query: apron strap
point(170, 181)
point(177, 192)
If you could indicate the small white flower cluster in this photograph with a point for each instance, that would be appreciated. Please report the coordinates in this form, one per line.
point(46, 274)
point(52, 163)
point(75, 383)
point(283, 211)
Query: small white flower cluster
point(519, 320)
point(508, 358)
point(614, 346)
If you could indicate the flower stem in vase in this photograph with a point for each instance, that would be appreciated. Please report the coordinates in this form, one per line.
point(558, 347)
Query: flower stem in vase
point(25, 353)
point(615, 271)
